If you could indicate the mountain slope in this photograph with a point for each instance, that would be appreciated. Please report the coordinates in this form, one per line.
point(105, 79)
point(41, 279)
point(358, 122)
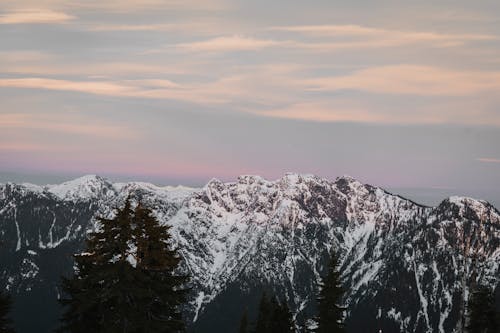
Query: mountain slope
point(405, 265)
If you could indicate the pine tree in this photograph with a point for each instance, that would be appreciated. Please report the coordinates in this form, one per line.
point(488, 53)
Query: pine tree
point(99, 292)
point(331, 314)
point(244, 322)
point(482, 315)
point(163, 290)
point(111, 294)
point(264, 315)
point(281, 318)
point(273, 316)
point(5, 306)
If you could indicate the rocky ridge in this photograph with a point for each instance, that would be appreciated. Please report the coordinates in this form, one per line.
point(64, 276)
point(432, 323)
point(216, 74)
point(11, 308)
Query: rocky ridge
point(407, 267)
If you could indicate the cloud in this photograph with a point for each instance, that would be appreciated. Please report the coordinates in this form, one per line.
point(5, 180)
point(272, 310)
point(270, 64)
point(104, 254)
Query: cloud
point(41, 16)
point(76, 126)
point(135, 27)
point(201, 26)
point(134, 5)
point(118, 6)
point(149, 88)
point(347, 37)
point(92, 87)
point(410, 79)
point(320, 112)
point(347, 111)
point(384, 37)
point(40, 63)
point(229, 44)
point(489, 160)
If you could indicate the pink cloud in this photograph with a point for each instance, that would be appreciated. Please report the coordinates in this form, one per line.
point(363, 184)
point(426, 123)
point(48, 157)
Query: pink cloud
point(489, 160)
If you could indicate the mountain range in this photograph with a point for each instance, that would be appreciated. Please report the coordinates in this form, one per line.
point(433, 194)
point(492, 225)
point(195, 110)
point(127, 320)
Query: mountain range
point(405, 267)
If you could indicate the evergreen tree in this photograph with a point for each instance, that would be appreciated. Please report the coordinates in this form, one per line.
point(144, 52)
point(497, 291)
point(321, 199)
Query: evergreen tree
point(331, 314)
point(110, 294)
point(163, 291)
point(99, 297)
point(264, 315)
point(244, 322)
point(273, 316)
point(482, 315)
point(5, 306)
point(281, 318)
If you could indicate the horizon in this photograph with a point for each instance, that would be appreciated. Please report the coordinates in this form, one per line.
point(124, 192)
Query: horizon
point(427, 196)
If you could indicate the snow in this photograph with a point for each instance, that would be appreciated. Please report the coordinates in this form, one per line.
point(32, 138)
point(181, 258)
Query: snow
point(258, 229)
point(84, 188)
point(198, 302)
point(29, 270)
point(423, 301)
point(33, 187)
point(18, 245)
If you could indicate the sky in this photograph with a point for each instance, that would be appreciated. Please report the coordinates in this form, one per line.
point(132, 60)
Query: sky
point(400, 94)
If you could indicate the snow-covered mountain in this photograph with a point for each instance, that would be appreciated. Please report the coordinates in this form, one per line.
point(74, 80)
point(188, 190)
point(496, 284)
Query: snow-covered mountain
point(406, 267)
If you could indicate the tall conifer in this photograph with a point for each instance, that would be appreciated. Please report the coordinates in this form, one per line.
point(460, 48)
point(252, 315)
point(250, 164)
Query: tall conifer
point(124, 282)
point(244, 322)
point(482, 316)
point(5, 307)
point(281, 318)
point(331, 313)
point(273, 316)
point(264, 315)
point(99, 297)
point(164, 290)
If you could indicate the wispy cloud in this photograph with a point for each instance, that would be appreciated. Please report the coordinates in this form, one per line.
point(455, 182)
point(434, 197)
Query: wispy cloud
point(411, 79)
point(360, 112)
point(320, 112)
point(339, 38)
point(41, 16)
point(385, 37)
point(136, 27)
point(200, 27)
point(229, 43)
point(119, 6)
point(78, 126)
point(135, 5)
point(47, 64)
point(149, 88)
point(489, 160)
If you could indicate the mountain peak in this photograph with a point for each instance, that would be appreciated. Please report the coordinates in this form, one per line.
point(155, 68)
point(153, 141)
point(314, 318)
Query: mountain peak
point(83, 188)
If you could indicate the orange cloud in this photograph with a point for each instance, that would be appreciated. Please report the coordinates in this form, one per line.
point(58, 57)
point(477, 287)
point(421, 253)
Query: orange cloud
point(352, 111)
point(118, 6)
point(41, 16)
point(411, 79)
point(216, 92)
point(384, 37)
point(229, 43)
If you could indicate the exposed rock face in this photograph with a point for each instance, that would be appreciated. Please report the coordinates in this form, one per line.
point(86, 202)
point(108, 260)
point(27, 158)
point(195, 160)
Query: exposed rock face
point(403, 264)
